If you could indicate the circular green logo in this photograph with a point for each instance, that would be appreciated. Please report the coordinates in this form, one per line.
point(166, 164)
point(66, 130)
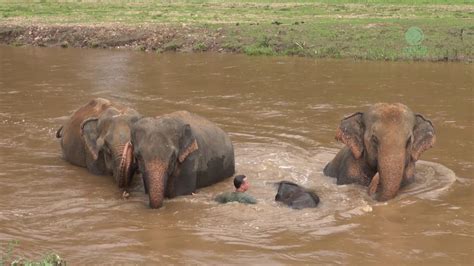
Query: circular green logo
point(414, 36)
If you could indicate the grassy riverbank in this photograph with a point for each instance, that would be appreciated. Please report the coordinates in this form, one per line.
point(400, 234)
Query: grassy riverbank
point(371, 29)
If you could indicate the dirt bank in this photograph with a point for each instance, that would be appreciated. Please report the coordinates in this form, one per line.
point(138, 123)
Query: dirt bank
point(378, 42)
point(140, 37)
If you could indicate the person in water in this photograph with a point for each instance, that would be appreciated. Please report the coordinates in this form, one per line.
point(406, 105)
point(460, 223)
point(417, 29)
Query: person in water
point(241, 185)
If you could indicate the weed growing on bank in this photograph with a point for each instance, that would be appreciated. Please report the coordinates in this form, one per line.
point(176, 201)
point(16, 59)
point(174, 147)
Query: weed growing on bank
point(8, 257)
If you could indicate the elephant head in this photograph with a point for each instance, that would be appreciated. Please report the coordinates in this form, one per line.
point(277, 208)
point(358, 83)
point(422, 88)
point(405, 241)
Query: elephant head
point(296, 196)
point(389, 138)
point(160, 145)
point(107, 142)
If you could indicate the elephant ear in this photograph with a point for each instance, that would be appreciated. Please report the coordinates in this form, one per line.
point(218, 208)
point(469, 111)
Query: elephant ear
point(188, 144)
point(351, 133)
point(92, 139)
point(423, 136)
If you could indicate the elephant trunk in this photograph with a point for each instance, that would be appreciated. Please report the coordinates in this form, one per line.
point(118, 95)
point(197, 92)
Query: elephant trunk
point(125, 169)
point(390, 170)
point(156, 178)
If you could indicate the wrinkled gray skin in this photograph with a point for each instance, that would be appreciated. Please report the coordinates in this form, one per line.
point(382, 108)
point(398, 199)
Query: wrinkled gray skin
point(180, 152)
point(382, 146)
point(295, 196)
point(97, 137)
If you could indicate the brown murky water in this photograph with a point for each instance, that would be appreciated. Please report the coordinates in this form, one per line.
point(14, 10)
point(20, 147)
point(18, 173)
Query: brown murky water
point(281, 113)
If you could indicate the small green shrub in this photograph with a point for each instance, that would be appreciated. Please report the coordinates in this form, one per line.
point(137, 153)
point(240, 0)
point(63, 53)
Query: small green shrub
point(200, 47)
point(258, 50)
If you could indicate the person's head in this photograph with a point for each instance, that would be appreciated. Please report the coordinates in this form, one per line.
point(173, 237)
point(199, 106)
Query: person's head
point(241, 184)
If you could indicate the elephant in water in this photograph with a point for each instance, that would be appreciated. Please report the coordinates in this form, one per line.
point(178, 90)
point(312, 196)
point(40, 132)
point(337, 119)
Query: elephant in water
point(97, 136)
point(178, 153)
point(382, 146)
point(296, 196)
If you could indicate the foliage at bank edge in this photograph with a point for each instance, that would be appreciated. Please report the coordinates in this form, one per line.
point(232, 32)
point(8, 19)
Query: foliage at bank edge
point(7, 257)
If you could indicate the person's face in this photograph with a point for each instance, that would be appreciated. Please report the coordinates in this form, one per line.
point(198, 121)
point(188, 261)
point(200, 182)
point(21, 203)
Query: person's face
point(245, 185)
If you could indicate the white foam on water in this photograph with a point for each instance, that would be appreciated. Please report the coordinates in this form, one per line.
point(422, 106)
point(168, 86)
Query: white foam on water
point(265, 164)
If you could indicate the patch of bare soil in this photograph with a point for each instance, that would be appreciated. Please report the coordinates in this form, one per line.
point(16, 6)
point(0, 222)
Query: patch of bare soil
point(140, 37)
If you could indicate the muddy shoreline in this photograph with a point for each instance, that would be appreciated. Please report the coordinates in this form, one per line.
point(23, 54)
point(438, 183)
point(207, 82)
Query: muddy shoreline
point(140, 37)
point(162, 38)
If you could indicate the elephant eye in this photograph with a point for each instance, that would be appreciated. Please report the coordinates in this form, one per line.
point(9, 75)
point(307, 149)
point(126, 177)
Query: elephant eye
point(375, 140)
point(106, 147)
point(138, 156)
point(409, 140)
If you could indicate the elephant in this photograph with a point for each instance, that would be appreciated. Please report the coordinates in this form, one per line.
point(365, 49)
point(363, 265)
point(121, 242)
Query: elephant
point(178, 153)
point(295, 196)
point(382, 146)
point(97, 137)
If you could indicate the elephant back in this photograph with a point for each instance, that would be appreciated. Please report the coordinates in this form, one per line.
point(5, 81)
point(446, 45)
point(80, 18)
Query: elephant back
point(215, 160)
point(72, 143)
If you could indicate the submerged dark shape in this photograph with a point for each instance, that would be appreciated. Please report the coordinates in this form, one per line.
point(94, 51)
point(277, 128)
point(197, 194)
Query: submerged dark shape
point(296, 196)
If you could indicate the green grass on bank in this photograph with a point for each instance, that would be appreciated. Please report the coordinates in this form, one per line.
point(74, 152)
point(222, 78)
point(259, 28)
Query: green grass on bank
point(7, 257)
point(228, 12)
point(370, 29)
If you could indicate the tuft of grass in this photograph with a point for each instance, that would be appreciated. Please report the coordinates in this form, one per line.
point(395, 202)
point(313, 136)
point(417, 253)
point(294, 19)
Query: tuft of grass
point(200, 47)
point(262, 46)
point(8, 258)
point(258, 50)
point(8, 255)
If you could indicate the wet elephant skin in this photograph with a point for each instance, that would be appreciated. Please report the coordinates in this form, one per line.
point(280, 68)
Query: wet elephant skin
point(96, 136)
point(296, 196)
point(385, 140)
point(180, 152)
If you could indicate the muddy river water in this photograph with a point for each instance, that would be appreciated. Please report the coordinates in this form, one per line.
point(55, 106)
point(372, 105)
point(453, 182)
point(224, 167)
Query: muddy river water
point(281, 113)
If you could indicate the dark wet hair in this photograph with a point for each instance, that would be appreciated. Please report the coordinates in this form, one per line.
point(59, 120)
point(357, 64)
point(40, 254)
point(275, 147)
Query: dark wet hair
point(238, 180)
